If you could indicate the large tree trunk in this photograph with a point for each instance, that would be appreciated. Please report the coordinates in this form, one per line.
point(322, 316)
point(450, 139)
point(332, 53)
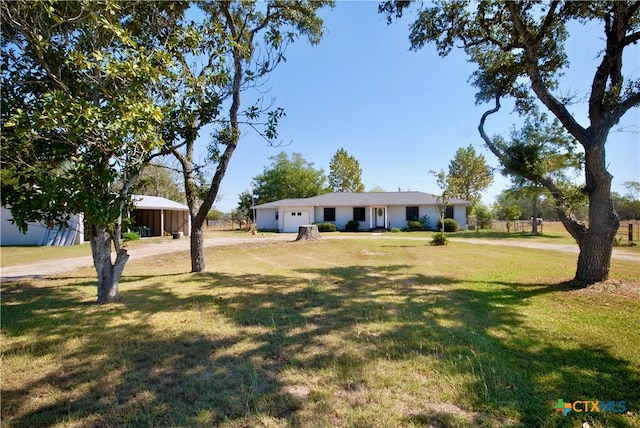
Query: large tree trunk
point(596, 244)
point(197, 247)
point(108, 273)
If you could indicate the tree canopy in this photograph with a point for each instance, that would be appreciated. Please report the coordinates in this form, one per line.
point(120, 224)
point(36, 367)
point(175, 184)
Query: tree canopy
point(345, 174)
point(469, 175)
point(230, 50)
point(78, 122)
point(519, 50)
point(289, 178)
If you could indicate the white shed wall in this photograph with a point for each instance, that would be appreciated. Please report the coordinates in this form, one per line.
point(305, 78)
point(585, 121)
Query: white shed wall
point(11, 235)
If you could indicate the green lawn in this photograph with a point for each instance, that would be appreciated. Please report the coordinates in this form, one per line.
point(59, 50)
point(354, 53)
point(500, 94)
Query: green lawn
point(370, 333)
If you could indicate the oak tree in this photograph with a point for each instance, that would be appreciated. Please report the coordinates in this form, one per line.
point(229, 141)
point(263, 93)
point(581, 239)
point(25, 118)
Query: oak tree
point(232, 48)
point(519, 49)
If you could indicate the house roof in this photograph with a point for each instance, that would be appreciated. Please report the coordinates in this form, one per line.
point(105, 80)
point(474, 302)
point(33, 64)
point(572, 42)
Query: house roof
point(144, 202)
point(363, 199)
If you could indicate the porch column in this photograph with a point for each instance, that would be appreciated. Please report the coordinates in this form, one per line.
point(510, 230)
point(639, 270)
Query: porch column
point(370, 217)
point(161, 222)
point(386, 222)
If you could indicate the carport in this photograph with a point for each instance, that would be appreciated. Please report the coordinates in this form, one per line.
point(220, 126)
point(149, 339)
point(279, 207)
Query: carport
point(156, 216)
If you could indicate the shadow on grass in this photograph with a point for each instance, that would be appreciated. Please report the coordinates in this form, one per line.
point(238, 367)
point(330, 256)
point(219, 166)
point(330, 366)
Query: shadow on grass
point(123, 369)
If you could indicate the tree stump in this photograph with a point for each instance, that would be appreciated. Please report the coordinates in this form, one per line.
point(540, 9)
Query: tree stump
point(308, 232)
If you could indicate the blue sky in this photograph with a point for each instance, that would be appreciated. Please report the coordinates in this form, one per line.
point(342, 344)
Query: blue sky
point(399, 113)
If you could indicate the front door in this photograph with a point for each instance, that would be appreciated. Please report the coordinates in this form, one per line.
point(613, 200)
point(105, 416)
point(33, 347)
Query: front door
point(380, 217)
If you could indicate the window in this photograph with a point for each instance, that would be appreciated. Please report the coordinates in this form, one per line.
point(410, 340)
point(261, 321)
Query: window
point(276, 215)
point(329, 214)
point(413, 213)
point(358, 213)
point(448, 211)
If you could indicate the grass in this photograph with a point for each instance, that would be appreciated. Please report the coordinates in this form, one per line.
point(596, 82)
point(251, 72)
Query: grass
point(373, 333)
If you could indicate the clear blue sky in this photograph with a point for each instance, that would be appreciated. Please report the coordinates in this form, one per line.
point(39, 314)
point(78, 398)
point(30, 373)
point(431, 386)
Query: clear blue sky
point(399, 113)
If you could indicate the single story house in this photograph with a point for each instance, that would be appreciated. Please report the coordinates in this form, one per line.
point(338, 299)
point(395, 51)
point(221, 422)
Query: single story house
point(152, 216)
point(383, 210)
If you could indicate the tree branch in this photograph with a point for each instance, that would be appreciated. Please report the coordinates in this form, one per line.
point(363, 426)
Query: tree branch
point(537, 83)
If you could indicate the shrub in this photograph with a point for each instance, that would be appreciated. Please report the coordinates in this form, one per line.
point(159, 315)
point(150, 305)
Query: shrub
point(395, 230)
point(414, 225)
point(439, 239)
point(450, 225)
point(326, 227)
point(352, 225)
point(426, 222)
point(130, 236)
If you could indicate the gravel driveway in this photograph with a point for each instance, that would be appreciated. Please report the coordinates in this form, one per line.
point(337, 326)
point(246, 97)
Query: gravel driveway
point(54, 266)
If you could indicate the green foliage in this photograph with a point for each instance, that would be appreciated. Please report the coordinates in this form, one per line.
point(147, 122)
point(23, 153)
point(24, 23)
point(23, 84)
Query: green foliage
point(159, 178)
point(71, 69)
point(215, 215)
point(245, 203)
point(289, 178)
point(345, 173)
point(326, 227)
point(395, 230)
point(511, 212)
point(130, 236)
point(519, 51)
point(414, 225)
point(483, 216)
point(352, 225)
point(439, 239)
point(425, 221)
point(450, 225)
point(469, 175)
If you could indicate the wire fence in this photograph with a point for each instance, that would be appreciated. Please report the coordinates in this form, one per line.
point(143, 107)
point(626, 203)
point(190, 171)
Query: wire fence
point(628, 232)
point(225, 225)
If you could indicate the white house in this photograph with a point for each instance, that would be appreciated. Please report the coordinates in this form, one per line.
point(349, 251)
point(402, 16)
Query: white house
point(383, 210)
point(152, 216)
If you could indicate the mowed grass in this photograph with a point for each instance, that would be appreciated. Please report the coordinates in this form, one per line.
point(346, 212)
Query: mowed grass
point(351, 332)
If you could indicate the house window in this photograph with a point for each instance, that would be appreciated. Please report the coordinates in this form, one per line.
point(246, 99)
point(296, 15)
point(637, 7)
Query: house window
point(329, 214)
point(448, 211)
point(413, 214)
point(358, 213)
point(276, 215)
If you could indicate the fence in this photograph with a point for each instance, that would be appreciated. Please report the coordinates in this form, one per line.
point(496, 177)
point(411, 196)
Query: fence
point(628, 233)
point(516, 226)
point(223, 225)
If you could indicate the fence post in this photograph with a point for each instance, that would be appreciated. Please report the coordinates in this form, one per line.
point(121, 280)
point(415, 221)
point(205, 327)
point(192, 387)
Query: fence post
point(630, 233)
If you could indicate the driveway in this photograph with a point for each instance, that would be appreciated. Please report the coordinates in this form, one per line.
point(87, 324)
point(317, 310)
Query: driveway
point(54, 266)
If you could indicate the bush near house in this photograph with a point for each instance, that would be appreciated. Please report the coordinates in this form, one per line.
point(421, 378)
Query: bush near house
point(326, 227)
point(352, 226)
point(450, 225)
point(414, 225)
point(130, 236)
